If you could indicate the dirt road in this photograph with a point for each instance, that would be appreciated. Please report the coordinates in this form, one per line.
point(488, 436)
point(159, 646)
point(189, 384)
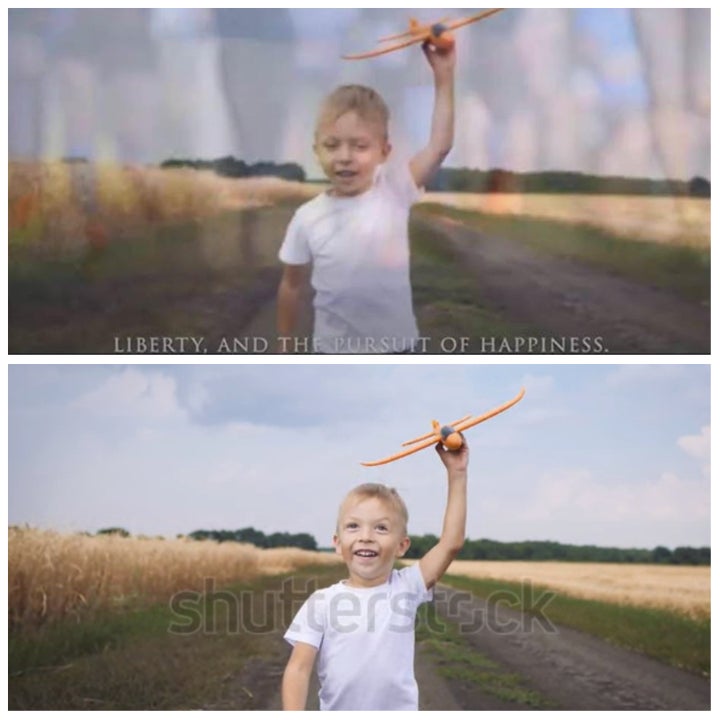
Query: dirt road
point(220, 284)
point(561, 298)
point(561, 668)
point(567, 299)
point(570, 669)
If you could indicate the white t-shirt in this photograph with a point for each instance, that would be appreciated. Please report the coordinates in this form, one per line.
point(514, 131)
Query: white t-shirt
point(360, 254)
point(366, 642)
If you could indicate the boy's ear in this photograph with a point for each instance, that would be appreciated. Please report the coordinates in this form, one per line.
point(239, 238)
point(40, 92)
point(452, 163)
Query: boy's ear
point(387, 149)
point(404, 547)
point(336, 543)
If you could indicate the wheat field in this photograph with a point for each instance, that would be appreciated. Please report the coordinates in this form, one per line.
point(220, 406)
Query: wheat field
point(672, 220)
point(52, 576)
point(57, 208)
point(681, 589)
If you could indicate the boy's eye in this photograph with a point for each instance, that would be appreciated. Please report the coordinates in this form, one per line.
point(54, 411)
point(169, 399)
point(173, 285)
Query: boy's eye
point(351, 526)
point(382, 528)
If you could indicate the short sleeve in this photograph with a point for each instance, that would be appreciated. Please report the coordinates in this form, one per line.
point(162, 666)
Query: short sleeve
point(413, 582)
point(308, 626)
point(400, 181)
point(295, 249)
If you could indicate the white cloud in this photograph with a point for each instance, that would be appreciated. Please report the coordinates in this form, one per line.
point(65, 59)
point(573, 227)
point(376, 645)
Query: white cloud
point(587, 509)
point(133, 393)
point(697, 446)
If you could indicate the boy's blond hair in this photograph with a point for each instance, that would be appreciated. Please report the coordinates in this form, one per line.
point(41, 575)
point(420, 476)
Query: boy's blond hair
point(366, 102)
point(387, 495)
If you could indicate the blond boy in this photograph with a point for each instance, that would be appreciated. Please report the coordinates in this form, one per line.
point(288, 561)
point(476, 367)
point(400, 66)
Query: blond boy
point(351, 243)
point(362, 630)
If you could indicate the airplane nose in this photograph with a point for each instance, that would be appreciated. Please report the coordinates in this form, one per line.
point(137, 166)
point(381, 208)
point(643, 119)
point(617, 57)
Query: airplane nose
point(451, 439)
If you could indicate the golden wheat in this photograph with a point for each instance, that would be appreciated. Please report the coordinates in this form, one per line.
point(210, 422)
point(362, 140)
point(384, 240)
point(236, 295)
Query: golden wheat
point(56, 208)
point(53, 576)
point(681, 589)
point(63, 208)
point(681, 221)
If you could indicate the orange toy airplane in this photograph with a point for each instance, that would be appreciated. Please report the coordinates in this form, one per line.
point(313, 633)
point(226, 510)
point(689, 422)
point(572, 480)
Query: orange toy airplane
point(449, 435)
point(439, 34)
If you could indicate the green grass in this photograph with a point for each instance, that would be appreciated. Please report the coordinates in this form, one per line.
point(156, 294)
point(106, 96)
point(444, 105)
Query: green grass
point(683, 270)
point(203, 280)
point(457, 661)
point(130, 660)
point(672, 638)
point(446, 296)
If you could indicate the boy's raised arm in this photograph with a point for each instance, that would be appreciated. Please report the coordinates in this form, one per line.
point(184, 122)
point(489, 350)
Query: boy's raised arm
point(442, 134)
point(437, 560)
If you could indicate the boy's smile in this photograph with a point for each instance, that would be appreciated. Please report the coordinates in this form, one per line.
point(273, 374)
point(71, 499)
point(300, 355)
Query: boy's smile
point(349, 150)
point(370, 538)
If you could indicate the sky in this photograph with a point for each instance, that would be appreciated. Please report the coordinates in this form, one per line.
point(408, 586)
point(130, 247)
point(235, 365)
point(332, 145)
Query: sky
point(609, 91)
point(611, 455)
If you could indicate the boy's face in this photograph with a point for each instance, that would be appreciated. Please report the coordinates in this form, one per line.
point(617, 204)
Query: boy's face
point(370, 537)
point(349, 150)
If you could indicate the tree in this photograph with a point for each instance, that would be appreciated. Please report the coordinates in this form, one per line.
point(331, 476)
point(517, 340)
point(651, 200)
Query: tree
point(699, 187)
point(122, 532)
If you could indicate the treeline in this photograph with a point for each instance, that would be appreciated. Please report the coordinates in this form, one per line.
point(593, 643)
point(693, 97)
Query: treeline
point(504, 181)
point(233, 168)
point(258, 538)
point(533, 550)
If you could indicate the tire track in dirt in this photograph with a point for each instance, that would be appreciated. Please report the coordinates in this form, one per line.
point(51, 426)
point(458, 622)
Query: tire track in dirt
point(569, 299)
point(571, 669)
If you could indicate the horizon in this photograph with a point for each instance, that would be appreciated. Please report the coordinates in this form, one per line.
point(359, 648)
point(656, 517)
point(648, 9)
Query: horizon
point(330, 548)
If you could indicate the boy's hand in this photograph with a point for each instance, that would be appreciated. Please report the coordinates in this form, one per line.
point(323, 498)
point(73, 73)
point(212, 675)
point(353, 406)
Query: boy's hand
point(454, 461)
point(442, 62)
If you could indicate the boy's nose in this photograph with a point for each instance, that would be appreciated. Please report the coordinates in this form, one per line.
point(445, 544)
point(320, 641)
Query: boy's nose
point(344, 152)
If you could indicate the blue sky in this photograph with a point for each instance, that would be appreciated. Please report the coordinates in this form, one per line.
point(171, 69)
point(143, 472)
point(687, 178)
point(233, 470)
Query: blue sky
point(612, 90)
point(609, 455)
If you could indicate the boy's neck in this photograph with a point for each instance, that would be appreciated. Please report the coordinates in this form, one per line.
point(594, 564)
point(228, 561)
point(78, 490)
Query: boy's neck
point(363, 584)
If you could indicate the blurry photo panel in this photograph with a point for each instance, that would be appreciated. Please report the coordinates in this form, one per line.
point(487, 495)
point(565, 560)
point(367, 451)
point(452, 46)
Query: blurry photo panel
point(359, 182)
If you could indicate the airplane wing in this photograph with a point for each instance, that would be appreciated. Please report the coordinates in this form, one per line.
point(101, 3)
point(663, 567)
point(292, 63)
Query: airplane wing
point(493, 413)
point(473, 18)
point(385, 51)
point(401, 455)
point(432, 434)
point(419, 30)
point(459, 427)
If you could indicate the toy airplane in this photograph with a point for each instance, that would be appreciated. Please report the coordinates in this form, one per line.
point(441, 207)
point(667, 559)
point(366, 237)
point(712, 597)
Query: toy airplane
point(439, 34)
point(449, 435)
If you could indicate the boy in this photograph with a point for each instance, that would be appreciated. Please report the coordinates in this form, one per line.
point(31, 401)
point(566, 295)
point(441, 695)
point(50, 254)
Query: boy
point(351, 243)
point(363, 629)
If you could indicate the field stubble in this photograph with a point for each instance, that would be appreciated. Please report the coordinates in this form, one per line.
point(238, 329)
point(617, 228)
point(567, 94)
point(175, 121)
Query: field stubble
point(685, 590)
point(665, 220)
